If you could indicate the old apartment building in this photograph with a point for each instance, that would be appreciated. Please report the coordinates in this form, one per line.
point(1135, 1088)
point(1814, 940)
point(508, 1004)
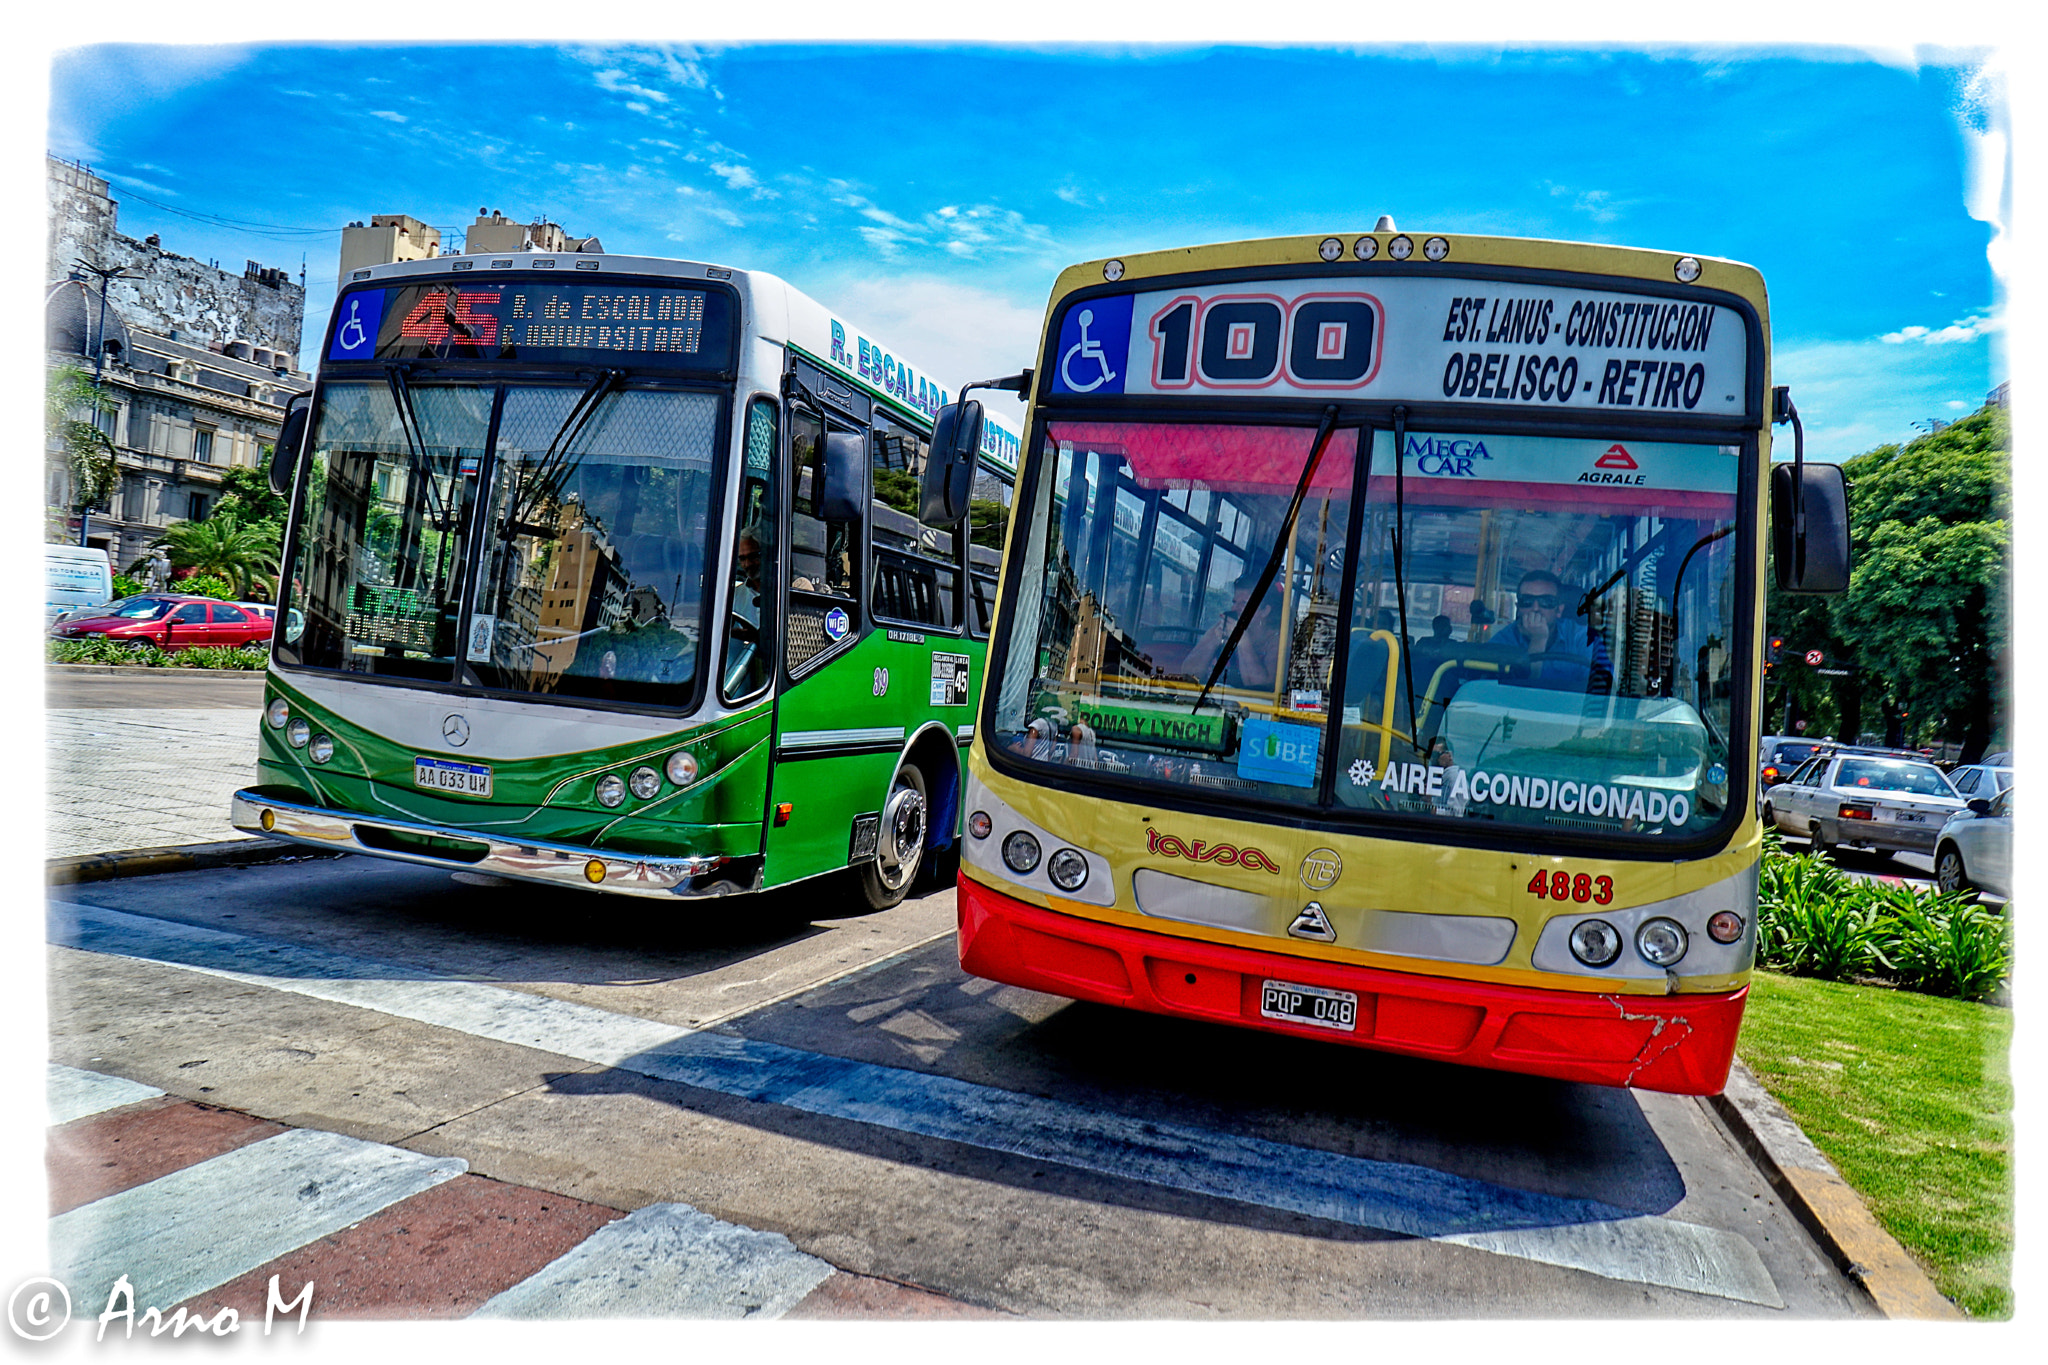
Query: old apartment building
point(200, 362)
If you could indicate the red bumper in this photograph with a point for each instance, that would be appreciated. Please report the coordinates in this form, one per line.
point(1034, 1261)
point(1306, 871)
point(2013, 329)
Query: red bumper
point(1683, 1044)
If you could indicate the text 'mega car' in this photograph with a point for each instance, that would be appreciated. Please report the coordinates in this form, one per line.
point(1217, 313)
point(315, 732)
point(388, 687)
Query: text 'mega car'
point(1859, 798)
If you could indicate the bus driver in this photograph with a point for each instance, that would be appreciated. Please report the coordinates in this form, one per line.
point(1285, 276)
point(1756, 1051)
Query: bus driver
point(1566, 655)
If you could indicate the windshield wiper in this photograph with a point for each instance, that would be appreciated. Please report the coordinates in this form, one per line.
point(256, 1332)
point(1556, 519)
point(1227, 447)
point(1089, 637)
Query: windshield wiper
point(1677, 583)
point(580, 413)
point(1281, 543)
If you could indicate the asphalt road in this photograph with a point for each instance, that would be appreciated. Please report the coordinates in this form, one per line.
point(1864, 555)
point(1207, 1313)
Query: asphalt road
point(791, 1068)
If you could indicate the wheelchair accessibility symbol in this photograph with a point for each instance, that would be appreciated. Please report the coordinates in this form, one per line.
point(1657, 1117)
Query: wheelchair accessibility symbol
point(1090, 350)
point(1093, 342)
point(355, 336)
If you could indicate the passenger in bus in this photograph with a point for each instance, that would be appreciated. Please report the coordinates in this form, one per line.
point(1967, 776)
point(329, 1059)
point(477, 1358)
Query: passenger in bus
point(1565, 654)
point(746, 577)
point(1253, 662)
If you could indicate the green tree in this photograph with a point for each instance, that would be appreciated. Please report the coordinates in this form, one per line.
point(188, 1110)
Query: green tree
point(1925, 627)
point(247, 496)
point(77, 444)
point(222, 546)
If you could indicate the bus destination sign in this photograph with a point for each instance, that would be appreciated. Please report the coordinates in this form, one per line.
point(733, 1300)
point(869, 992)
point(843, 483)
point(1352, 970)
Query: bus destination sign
point(574, 321)
point(1441, 339)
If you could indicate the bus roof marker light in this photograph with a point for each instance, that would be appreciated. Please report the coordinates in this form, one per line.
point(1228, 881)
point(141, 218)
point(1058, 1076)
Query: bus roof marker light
point(1330, 249)
point(1436, 248)
point(587, 265)
point(1401, 248)
point(1687, 270)
point(1595, 942)
point(1366, 248)
point(1661, 941)
point(1112, 271)
point(463, 265)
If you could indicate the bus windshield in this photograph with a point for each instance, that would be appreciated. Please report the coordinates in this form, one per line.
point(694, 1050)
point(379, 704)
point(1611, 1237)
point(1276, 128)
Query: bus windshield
point(591, 508)
point(1540, 630)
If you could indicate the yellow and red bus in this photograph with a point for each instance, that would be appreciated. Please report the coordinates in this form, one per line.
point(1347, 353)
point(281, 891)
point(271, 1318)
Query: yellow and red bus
point(1376, 655)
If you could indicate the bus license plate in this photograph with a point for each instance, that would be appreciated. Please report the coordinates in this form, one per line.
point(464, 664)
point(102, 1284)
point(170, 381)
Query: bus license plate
point(1309, 1005)
point(440, 775)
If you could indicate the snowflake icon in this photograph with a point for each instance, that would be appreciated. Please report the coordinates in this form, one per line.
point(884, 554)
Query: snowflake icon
point(1361, 772)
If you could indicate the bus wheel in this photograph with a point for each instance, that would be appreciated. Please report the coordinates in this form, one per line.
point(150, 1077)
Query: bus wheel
point(899, 843)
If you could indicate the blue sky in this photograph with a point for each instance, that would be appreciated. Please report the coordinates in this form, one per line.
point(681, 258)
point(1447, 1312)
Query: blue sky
point(931, 192)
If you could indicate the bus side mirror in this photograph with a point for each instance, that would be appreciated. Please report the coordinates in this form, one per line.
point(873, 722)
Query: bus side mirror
point(949, 470)
point(1810, 527)
point(284, 456)
point(845, 493)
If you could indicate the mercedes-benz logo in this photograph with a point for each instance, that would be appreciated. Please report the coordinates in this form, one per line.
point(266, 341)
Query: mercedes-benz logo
point(455, 730)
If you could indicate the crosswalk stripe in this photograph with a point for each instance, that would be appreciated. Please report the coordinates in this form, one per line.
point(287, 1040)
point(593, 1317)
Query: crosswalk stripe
point(194, 1229)
point(1418, 1201)
point(667, 1260)
point(74, 1093)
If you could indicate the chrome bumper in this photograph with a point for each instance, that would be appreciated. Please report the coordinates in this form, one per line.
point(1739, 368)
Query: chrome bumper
point(632, 874)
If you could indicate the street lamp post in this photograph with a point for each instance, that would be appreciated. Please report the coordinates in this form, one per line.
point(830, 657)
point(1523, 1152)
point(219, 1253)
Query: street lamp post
point(99, 358)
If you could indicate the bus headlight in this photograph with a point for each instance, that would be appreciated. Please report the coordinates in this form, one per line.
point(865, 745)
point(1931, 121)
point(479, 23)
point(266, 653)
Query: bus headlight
point(1020, 852)
point(1661, 941)
point(646, 783)
point(1595, 942)
point(1068, 869)
point(321, 749)
point(610, 790)
point(979, 825)
point(280, 711)
point(298, 732)
point(1725, 927)
point(682, 767)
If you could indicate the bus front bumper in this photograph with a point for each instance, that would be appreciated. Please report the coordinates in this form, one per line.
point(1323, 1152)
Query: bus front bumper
point(337, 831)
point(1682, 1044)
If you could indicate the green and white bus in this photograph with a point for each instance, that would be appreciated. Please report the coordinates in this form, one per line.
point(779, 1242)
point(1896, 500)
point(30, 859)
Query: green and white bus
point(605, 571)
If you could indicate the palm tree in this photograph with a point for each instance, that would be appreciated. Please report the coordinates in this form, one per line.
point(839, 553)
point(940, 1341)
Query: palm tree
point(222, 545)
point(79, 443)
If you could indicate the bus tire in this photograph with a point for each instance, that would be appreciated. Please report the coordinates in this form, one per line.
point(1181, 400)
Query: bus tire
point(899, 843)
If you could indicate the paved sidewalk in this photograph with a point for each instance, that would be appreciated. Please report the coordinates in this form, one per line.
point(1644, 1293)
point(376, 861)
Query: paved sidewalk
point(145, 777)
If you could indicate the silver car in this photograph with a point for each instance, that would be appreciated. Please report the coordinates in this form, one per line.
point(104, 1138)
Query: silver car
point(1850, 799)
point(1980, 779)
point(1974, 849)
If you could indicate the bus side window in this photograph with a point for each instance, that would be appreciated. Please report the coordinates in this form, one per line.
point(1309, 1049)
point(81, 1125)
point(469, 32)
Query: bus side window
point(747, 652)
point(824, 556)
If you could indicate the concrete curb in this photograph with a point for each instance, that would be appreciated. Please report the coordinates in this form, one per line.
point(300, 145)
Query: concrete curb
point(173, 670)
point(148, 862)
point(1821, 1200)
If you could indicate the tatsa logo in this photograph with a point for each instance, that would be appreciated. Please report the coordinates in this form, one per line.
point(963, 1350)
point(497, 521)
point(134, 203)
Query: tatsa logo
point(1230, 855)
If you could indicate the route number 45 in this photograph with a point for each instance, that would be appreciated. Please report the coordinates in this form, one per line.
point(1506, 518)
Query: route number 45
point(1563, 886)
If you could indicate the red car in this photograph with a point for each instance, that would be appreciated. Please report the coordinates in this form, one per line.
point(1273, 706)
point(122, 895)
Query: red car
point(169, 620)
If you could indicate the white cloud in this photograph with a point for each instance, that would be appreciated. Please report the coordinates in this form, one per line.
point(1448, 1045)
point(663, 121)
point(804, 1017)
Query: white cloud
point(738, 177)
point(1073, 195)
point(1856, 395)
point(1962, 329)
point(1986, 122)
point(954, 331)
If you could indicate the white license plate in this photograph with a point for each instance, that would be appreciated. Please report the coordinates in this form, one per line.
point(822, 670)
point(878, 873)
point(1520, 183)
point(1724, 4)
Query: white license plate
point(441, 775)
point(1908, 817)
point(1299, 1004)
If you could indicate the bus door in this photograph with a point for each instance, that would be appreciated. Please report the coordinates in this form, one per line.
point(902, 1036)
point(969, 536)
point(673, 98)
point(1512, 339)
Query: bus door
point(827, 747)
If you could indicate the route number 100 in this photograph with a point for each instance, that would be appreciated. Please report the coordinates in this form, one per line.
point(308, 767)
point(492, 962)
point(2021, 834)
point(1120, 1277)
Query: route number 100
point(1249, 341)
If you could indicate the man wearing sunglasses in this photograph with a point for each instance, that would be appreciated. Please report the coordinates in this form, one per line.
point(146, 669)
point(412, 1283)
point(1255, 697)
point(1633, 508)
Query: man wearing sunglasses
point(1571, 657)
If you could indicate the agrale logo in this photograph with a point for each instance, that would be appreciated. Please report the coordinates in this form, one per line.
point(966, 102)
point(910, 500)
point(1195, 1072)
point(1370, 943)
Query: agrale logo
point(1617, 457)
point(1230, 855)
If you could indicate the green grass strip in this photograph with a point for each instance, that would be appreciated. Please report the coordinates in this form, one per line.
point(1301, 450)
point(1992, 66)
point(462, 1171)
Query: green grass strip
point(1910, 1096)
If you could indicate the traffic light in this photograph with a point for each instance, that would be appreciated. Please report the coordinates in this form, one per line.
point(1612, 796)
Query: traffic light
point(1777, 643)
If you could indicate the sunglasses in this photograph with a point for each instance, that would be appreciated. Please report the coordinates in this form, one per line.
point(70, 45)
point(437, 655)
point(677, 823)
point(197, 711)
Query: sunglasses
point(1541, 601)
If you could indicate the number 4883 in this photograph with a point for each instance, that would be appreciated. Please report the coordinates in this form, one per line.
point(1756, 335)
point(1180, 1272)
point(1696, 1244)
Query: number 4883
point(1563, 886)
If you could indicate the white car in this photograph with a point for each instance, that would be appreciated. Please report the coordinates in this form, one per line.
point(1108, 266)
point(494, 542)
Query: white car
point(1980, 779)
point(1974, 848)
point(1853, 798)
